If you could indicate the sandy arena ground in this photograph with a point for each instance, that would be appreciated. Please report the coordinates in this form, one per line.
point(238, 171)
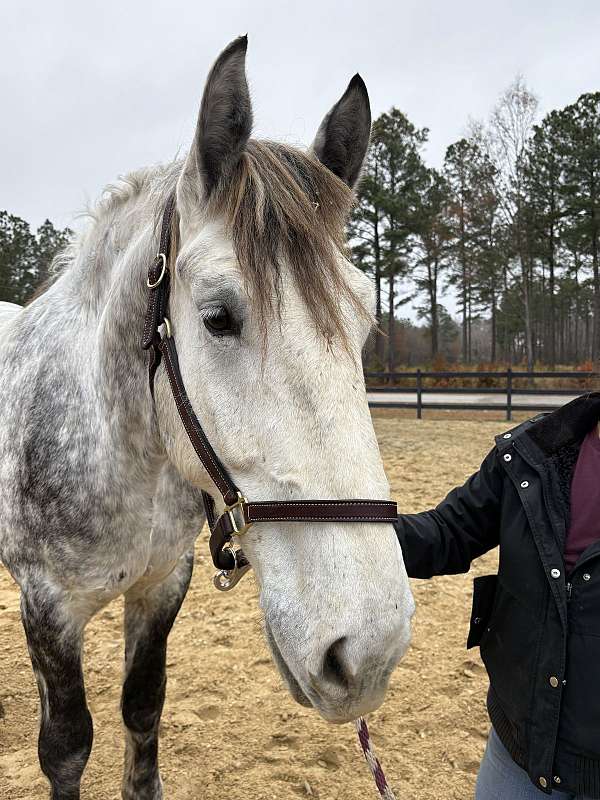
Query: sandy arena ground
point(243, 737)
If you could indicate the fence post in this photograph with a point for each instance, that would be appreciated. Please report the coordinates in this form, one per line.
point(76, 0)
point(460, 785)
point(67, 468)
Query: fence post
point(509, 378)
point(419, 395)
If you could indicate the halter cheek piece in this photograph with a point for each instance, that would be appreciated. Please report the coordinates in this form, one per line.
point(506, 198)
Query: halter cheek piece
point(239, 513)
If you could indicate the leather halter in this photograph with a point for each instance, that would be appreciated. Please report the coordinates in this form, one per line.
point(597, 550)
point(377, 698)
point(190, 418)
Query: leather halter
point(239, 513)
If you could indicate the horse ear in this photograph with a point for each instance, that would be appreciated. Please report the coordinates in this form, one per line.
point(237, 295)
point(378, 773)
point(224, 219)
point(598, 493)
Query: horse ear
point(342, 140)
point(224, 124)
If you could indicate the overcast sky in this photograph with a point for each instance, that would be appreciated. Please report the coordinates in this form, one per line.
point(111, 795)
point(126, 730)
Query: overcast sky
point(92, 89)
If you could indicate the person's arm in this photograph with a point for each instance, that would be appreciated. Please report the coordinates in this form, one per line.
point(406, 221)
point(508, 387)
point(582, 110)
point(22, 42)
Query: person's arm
point(462, 527)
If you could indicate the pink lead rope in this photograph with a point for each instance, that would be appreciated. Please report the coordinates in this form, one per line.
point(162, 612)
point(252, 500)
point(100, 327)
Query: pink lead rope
point(372, 760)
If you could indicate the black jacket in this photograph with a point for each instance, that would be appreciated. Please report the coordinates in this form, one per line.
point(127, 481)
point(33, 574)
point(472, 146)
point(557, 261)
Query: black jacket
point(539, 633)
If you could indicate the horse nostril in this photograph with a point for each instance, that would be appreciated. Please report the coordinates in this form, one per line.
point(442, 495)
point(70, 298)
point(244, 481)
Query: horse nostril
point(335, 669)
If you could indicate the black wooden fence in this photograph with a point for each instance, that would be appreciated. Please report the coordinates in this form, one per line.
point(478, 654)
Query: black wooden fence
point(507, 386)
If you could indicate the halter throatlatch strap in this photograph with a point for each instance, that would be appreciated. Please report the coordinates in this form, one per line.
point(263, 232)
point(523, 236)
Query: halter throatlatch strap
point(238, 513)
point(159, 285)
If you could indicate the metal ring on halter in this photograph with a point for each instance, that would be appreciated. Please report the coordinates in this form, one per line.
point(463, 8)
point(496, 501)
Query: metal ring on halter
point(163, 258)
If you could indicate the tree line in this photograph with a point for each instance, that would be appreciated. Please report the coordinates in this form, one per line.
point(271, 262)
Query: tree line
point(26, 255)
point(511, 222)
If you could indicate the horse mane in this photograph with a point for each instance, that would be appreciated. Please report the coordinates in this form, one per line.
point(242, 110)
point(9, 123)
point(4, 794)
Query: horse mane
point(282, 208)
point(156, 182)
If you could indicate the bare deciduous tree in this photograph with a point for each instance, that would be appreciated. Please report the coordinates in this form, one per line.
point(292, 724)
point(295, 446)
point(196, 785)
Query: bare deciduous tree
point(508, 135)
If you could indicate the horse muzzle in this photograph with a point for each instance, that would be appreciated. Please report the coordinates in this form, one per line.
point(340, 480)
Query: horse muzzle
point(346, 676)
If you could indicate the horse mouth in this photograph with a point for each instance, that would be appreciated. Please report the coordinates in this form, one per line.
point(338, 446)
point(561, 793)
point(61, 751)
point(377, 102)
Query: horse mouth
point(294, 687)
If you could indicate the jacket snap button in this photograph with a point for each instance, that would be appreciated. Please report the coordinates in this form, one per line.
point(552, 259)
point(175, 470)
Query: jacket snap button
point(554, 682)
point(507, 457)
point(524, 484)
point(543, 782)
point(587, 576)
point(507, 435)
point(556, 780)
point(555, 573)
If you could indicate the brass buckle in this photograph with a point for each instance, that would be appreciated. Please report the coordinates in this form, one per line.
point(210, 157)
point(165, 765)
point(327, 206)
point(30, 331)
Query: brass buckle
point(163, 258)
point(229, 510)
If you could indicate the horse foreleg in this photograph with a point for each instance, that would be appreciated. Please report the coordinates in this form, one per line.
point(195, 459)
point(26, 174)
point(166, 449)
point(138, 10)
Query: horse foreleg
point(149, 616)
point(55, 644)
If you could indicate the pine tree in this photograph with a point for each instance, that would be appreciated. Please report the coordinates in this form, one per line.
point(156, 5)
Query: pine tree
point(472, 213)
point(582, 190)
point(386, 218)
point(49, 242)
point(24, 258)
point(433, 242)
point(544, 168)
point(17, 258)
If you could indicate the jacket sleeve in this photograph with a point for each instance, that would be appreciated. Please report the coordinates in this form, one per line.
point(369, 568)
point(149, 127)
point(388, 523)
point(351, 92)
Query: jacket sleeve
point(462, 527)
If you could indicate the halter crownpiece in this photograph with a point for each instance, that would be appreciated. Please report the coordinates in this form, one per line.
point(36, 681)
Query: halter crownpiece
point(238, 513)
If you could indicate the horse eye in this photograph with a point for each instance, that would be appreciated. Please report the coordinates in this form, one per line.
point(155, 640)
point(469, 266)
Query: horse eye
point(218, 321)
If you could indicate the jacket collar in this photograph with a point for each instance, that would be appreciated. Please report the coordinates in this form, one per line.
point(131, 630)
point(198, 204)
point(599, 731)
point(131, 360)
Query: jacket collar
point(567, 425)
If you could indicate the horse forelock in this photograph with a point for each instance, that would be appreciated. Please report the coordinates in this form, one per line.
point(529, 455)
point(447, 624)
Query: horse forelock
point(284, 209)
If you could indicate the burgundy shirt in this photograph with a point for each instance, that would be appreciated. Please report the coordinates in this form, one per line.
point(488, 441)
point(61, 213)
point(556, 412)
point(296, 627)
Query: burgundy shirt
point(585, 500)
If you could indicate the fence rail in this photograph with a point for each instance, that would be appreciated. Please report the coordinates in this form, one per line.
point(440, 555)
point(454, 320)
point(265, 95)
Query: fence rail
point(509, 389)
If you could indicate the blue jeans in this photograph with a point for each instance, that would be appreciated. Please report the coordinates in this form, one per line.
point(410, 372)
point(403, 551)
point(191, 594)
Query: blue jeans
point(500, 778)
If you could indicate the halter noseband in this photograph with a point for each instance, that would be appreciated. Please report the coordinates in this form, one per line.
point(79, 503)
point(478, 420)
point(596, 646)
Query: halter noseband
point(239, 513)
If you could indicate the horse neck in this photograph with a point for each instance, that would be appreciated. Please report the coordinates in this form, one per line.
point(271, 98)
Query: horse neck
point(109, 283)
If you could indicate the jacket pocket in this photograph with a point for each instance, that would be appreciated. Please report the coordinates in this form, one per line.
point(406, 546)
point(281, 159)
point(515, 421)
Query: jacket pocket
point(484, 592)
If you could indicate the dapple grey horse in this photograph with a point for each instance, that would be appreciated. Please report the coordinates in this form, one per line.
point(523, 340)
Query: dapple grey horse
point(99, 485)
